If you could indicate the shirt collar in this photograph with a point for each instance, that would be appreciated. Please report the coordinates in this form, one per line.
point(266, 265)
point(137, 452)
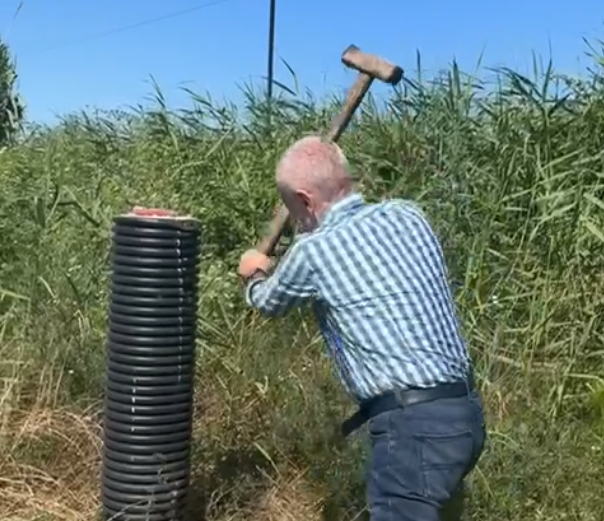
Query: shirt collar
point(342, 208)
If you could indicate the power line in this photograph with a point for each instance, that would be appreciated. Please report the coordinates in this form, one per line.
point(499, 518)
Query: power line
point(125, 28)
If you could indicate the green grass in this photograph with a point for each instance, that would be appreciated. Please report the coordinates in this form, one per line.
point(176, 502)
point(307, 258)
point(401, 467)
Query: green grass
point(512, 176)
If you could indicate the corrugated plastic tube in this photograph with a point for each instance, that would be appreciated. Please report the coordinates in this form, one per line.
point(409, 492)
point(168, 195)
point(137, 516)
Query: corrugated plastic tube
point(148, 407)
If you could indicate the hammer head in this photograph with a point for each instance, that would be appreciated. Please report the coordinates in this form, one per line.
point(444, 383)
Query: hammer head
point(372, 65)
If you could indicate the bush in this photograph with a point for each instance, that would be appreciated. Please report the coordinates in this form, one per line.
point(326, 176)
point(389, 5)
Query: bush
point(512, 178)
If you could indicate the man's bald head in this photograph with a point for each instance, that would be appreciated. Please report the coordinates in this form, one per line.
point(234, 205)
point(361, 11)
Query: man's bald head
point(311, 176)
point(313, 165)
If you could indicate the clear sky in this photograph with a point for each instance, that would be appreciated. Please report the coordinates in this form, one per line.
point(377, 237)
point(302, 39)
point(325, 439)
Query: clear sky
point(73, 54)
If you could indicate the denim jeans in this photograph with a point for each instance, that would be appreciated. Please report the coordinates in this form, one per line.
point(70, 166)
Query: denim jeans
point(420, 455)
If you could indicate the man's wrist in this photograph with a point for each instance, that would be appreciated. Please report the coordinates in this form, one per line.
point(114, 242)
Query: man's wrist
point(252, 282)
point(258, 274)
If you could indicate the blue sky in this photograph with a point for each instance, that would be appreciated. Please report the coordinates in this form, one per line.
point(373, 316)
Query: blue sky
point(73, 54)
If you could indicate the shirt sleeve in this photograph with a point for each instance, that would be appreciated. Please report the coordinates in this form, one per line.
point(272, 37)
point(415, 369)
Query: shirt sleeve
point(290, 285)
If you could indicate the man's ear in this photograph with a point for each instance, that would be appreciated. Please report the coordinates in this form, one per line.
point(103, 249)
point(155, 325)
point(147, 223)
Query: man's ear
point(304, 198)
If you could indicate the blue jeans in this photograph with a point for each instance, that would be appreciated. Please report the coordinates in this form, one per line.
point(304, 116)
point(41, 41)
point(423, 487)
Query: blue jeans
point(420, 455)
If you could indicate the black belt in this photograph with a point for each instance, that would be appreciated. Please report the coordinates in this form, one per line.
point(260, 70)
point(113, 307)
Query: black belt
point(404, 398)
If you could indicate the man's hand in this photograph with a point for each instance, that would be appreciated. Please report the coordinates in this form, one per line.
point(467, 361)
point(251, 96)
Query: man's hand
point(251, 262)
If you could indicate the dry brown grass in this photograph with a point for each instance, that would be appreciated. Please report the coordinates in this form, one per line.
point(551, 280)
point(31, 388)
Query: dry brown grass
point(50, 470)
point(50, 461)
point(49, 466)
point(285, 499)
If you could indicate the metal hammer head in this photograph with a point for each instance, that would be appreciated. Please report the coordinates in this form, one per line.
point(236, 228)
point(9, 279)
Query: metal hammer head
point(372, 65)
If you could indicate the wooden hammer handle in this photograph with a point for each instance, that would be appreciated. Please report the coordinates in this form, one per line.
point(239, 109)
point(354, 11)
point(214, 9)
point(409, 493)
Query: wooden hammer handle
point(338, 126)
point(351, 104)
point(277, 227)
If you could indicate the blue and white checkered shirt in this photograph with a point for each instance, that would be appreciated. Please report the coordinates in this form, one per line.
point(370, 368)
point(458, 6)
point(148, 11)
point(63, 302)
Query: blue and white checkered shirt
point(377, 279)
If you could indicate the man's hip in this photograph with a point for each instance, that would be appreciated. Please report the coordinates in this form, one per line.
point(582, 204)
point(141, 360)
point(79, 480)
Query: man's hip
point(421, 454)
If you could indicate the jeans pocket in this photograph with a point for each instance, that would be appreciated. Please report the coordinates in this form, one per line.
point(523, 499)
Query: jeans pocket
point(445, 459)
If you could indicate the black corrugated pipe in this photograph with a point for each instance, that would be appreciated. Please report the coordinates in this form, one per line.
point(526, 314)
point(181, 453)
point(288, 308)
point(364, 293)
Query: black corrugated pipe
point(150, 366)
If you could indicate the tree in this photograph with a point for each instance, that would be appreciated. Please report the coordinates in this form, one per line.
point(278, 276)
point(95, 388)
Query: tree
point(12, 109)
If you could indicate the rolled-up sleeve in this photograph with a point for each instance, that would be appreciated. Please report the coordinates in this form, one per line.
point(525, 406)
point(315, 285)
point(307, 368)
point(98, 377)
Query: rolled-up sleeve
point(290, 285)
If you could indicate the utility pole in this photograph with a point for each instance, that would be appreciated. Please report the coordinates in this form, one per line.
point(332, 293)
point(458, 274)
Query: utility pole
point(271, 49)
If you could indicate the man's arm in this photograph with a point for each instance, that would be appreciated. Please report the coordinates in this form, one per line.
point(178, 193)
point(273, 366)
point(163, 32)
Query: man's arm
point(290, 284)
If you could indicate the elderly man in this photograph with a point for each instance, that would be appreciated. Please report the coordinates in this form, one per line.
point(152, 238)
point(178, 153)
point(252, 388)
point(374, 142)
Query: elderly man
point(377, 280)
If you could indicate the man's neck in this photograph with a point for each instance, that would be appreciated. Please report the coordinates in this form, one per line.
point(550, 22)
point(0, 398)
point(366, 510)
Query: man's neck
point(334, 207)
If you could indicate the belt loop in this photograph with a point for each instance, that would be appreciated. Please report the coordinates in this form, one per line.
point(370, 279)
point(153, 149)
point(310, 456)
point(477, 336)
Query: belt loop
point(398, 398)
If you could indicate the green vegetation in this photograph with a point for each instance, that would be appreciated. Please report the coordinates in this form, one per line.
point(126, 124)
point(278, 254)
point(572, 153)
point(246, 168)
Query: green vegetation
point(11, 106)
point(513, 180)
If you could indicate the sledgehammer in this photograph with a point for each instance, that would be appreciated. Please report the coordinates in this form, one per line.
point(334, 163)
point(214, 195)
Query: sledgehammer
point(370, 67)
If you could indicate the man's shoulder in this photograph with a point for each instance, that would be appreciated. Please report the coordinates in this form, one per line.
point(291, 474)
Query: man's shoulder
point(403, 214)
point(324, 236)
point(305, 244)
point(400, 204)
point(399, 207)
point(308, 243)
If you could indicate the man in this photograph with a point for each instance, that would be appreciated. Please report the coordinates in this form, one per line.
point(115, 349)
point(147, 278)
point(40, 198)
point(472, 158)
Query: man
point(376, 277)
